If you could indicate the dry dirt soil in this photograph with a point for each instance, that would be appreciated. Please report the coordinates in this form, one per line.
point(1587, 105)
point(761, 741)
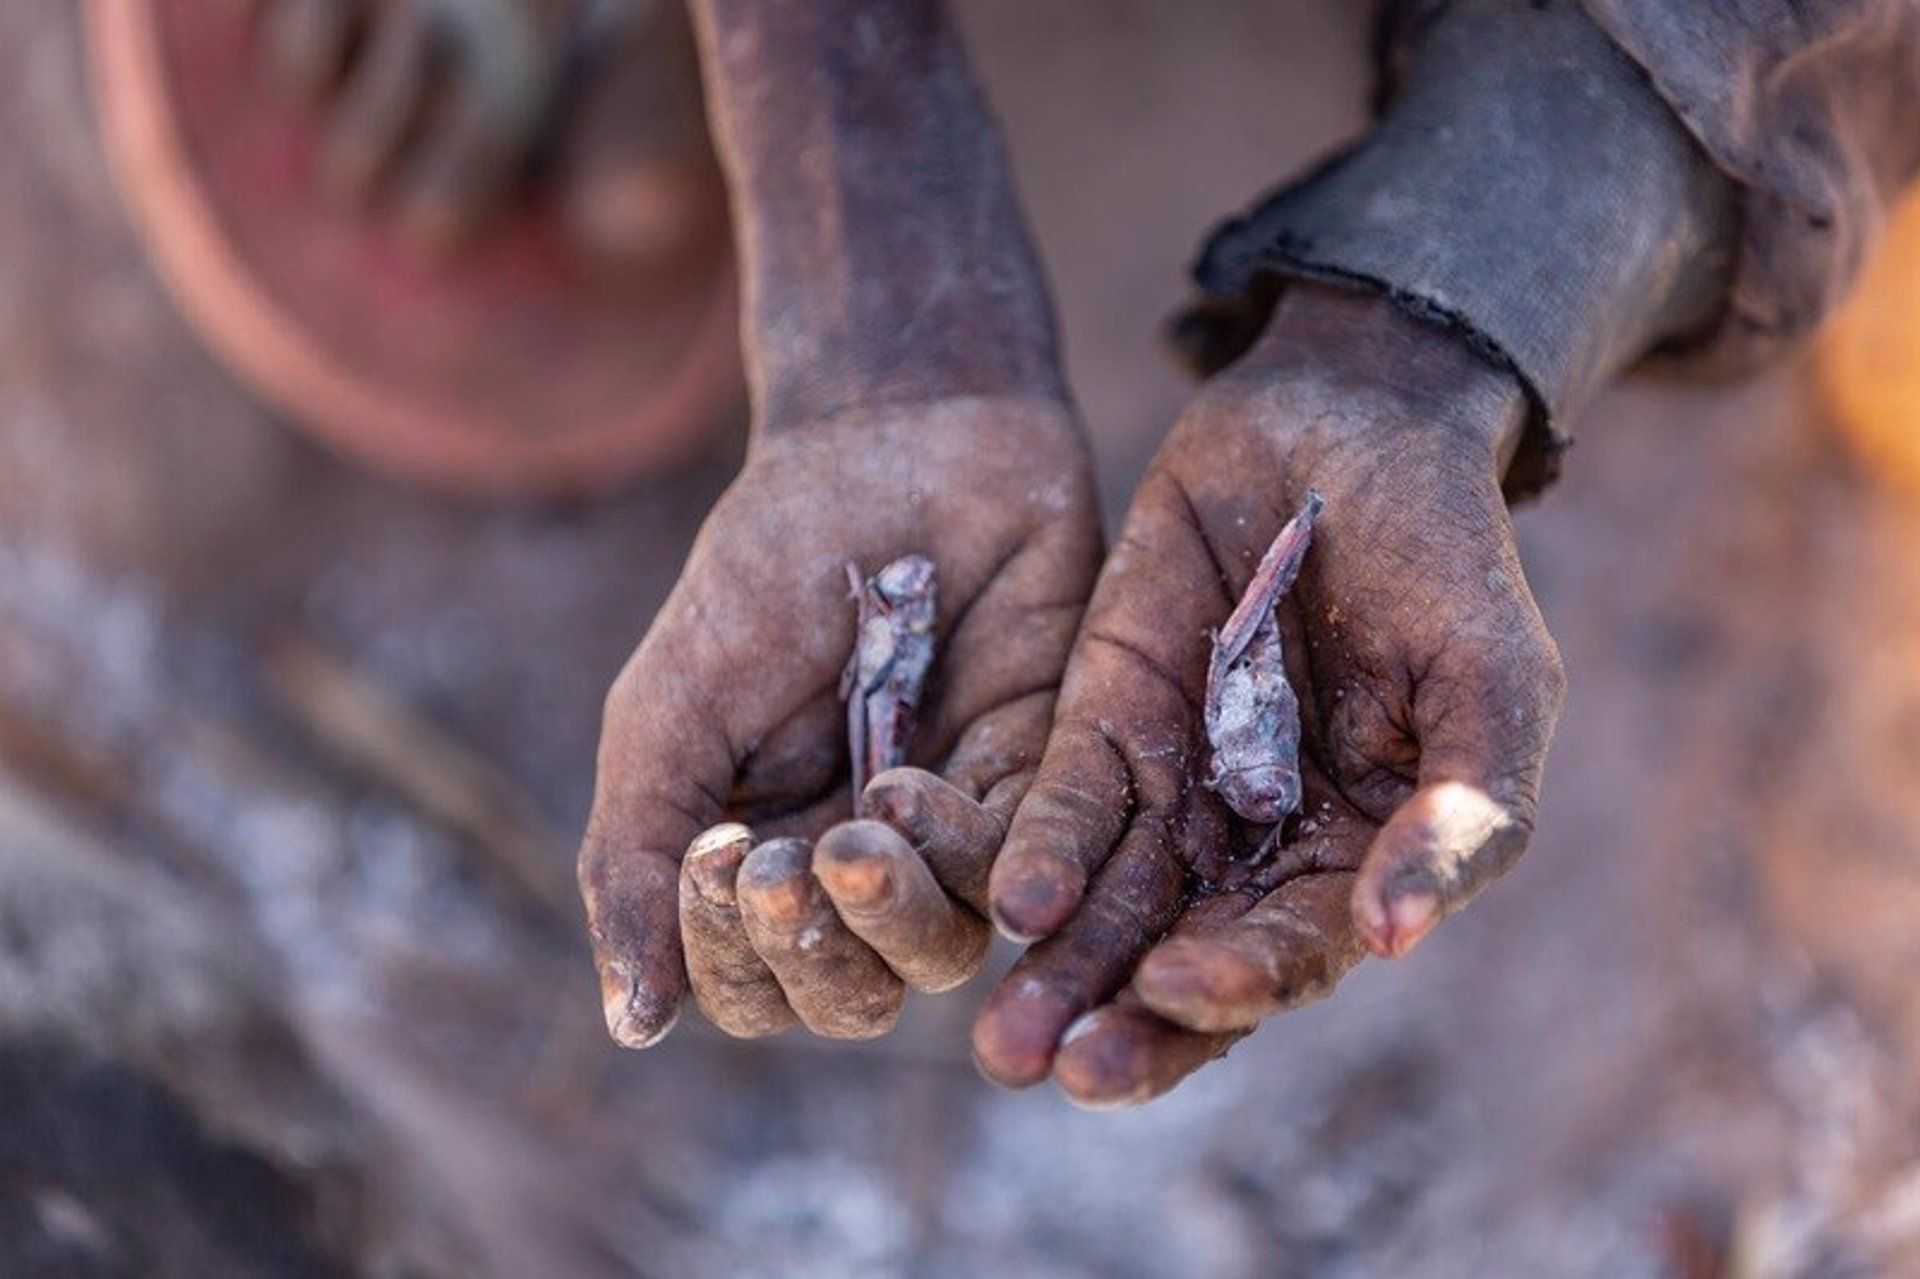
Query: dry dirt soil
point(1679, 1040)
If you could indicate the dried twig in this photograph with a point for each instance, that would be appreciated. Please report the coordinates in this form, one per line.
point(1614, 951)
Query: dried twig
point(370, 731)
point(100, 793)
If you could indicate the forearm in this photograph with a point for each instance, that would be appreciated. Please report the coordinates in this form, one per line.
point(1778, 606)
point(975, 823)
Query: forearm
point(883, 251)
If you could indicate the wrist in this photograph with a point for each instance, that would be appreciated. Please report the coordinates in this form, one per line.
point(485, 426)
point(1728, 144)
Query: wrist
point(884, 258)
point(950, 436)
point(1390, 377)
point(1527, 189)
point(868, 418)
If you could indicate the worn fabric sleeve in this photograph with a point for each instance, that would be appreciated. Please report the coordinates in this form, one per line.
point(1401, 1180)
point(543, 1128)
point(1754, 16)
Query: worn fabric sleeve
point(1812, 107)
point(1526, 188)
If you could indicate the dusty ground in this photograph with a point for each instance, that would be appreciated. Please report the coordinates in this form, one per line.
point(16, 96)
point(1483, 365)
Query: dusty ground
point(1684, 1020)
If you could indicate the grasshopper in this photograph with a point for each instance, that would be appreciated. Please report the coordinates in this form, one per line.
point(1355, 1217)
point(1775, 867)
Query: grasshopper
point(1252, 715)
point(892, 653)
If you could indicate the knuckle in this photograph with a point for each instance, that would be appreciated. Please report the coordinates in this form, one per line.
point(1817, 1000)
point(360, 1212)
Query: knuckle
point(1552, 672)
point(1521, 664)
point(1226, 397)
point(590, 865)
point(622, 701)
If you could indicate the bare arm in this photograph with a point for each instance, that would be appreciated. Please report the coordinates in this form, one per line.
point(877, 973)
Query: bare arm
point(885, 255)
point(907, 402)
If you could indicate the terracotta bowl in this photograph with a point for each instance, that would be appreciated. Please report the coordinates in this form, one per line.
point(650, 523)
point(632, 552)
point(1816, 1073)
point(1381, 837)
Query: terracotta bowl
point(510, 368)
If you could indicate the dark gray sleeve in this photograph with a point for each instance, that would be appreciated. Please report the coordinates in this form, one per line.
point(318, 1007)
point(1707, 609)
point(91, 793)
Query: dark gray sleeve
point(1812, 109)
point(1525, 187)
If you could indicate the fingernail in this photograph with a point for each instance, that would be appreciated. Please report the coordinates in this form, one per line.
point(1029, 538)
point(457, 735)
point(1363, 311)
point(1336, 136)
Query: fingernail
point(785, 902)
point(1370, 918)
point(855, 861)
point(1103, 1073)
point(777, 878)
point(1206, 987)
point(715, 838)
point(636, 1018)
point(861, 883)
point(1015, 1034)
point(1410, 918)
point(895, 804)
point(1083, 1025)
point(713, 861)
point(1031, 906)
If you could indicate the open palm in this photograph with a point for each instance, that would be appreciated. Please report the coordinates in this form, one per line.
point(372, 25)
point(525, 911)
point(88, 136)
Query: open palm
point(730, 711)
point(1428, 689)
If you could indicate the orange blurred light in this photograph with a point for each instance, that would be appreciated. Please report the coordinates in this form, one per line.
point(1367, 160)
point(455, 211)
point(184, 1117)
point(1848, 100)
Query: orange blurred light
point(1870, 360)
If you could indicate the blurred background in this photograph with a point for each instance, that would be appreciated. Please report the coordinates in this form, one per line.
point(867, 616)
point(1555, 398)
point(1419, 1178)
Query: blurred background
point(298, 708)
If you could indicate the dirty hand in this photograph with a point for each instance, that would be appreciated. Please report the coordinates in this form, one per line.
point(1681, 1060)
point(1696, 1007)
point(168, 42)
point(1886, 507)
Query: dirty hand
point(730, 711)
point(1428, 687)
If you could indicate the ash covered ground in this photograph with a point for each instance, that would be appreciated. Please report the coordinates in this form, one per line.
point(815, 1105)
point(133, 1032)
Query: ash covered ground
point(1677, 1041)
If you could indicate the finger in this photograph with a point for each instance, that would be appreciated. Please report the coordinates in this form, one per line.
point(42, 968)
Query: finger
point(732, 985)
point(664, 768)
point(1289, 949)
point(835, 982)
point(384, 100)
point(1066, 827)
point(640, 185)
point(1126, 719)
point(997, 713)
point(1125, 1054)
point(990, 770)
point(1327, 837)
point(1133, 900)
point(462, 173)
point(1483, 731)
point(308, 41)
point(635, 930)
point(477, 138)
point(956, 835)
point(889, 898)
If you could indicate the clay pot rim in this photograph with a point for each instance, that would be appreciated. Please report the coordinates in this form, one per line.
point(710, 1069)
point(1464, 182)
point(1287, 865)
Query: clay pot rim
point(268, 349)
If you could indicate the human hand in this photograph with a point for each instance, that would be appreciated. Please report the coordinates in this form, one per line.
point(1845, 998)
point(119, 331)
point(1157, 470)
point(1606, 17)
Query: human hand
point(1428, 688)
point(730, 710)
point(437, 108)
point(437, 100)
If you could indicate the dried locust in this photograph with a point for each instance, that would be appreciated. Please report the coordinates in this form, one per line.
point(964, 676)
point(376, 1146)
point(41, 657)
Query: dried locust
point(1252, 715)
point(892, 653)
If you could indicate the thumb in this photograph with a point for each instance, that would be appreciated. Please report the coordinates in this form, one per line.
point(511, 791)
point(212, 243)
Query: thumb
point(664, 772)
point(1483, 727)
